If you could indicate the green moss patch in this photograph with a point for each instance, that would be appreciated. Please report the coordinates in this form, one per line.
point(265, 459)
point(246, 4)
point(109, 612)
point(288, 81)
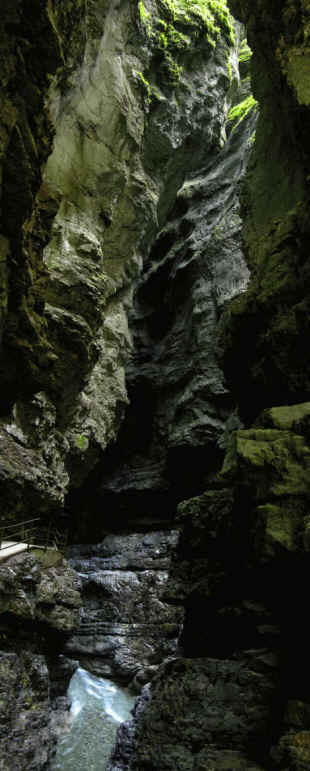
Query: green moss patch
point(245, 52)
point(240, 111)
point(48, 558)
point(210, 16)
point(298, 69)
point(280, 525)
point(177, 25)
point(276, 462)
point(287, 417)
point(81, 442)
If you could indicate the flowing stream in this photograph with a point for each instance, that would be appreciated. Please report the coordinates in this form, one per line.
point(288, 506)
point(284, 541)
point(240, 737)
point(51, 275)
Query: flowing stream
point(98, 706)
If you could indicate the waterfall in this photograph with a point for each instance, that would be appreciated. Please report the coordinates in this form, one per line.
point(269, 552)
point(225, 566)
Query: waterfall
point(98, 706)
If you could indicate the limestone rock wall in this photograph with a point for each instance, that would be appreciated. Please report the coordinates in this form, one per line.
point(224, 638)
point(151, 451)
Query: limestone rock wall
point(107, 108)
point(121, 257)
point(123, 93)
point(175, 380)
point(271, 321)
point(242, 563)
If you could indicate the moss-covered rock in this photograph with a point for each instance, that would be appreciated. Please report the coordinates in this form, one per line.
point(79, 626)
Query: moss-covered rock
point(278, 462)
point(273, 463)
point(239, 111)
point(270, 320)
point(294, 749)
point(240, 568)
point(29, 55)
point(295, 417)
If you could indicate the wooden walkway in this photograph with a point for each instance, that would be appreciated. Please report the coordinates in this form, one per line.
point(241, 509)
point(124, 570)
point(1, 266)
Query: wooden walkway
point(32, 534)
point(9, 548)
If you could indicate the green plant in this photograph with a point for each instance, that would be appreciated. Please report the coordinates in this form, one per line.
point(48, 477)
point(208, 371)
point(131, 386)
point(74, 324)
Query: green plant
point(81, 442)
point(210, 16)
point(49, 558)
point(145, 85)
point(245, 52)
point(239, 111)
point(145, 18)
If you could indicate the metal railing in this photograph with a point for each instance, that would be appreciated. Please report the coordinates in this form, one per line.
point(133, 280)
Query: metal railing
point(34, 534)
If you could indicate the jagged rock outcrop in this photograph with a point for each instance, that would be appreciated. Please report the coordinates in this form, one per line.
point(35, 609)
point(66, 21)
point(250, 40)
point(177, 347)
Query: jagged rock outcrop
point(53, 594)
point(39, 606)
point(126, 627)
point(181, 412)
point(174, 377)
point(199, 716)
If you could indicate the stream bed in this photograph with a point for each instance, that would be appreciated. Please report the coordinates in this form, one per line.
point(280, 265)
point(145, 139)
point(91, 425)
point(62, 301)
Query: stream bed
point(98, 706)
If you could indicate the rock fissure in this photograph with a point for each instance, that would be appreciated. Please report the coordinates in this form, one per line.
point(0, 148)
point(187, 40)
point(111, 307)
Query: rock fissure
point(154, 292)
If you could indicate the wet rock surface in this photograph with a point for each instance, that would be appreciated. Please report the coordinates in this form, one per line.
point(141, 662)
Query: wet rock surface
point(30, 54)
point(126, 627)
point(32, 715)
point(38, 606)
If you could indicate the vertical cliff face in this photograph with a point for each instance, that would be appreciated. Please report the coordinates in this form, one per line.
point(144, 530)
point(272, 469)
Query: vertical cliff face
point(239, 698)
point(153, 358)
point(123, 92)
point(180, 410)
point(271, 321)
point(179, 400)
point(108, 107)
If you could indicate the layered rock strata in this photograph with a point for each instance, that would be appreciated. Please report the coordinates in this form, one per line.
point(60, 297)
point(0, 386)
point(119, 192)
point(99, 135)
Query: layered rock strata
point(126, 627)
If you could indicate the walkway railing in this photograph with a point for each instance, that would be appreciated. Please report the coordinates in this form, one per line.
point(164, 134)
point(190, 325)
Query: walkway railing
point(33, 534)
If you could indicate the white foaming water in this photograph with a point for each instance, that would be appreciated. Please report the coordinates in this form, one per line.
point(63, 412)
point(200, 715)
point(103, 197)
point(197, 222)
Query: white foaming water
point(98, 706)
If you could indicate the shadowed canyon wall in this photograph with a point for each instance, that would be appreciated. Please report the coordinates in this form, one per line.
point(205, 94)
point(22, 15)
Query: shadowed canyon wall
point(154, 292)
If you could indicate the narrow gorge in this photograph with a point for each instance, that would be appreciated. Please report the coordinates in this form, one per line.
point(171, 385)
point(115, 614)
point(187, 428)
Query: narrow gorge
point(155, 385)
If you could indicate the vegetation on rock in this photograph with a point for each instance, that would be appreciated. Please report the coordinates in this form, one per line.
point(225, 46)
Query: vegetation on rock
point(275, 201)
point(115, 162)
point(239, 111)
point(179, 23)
